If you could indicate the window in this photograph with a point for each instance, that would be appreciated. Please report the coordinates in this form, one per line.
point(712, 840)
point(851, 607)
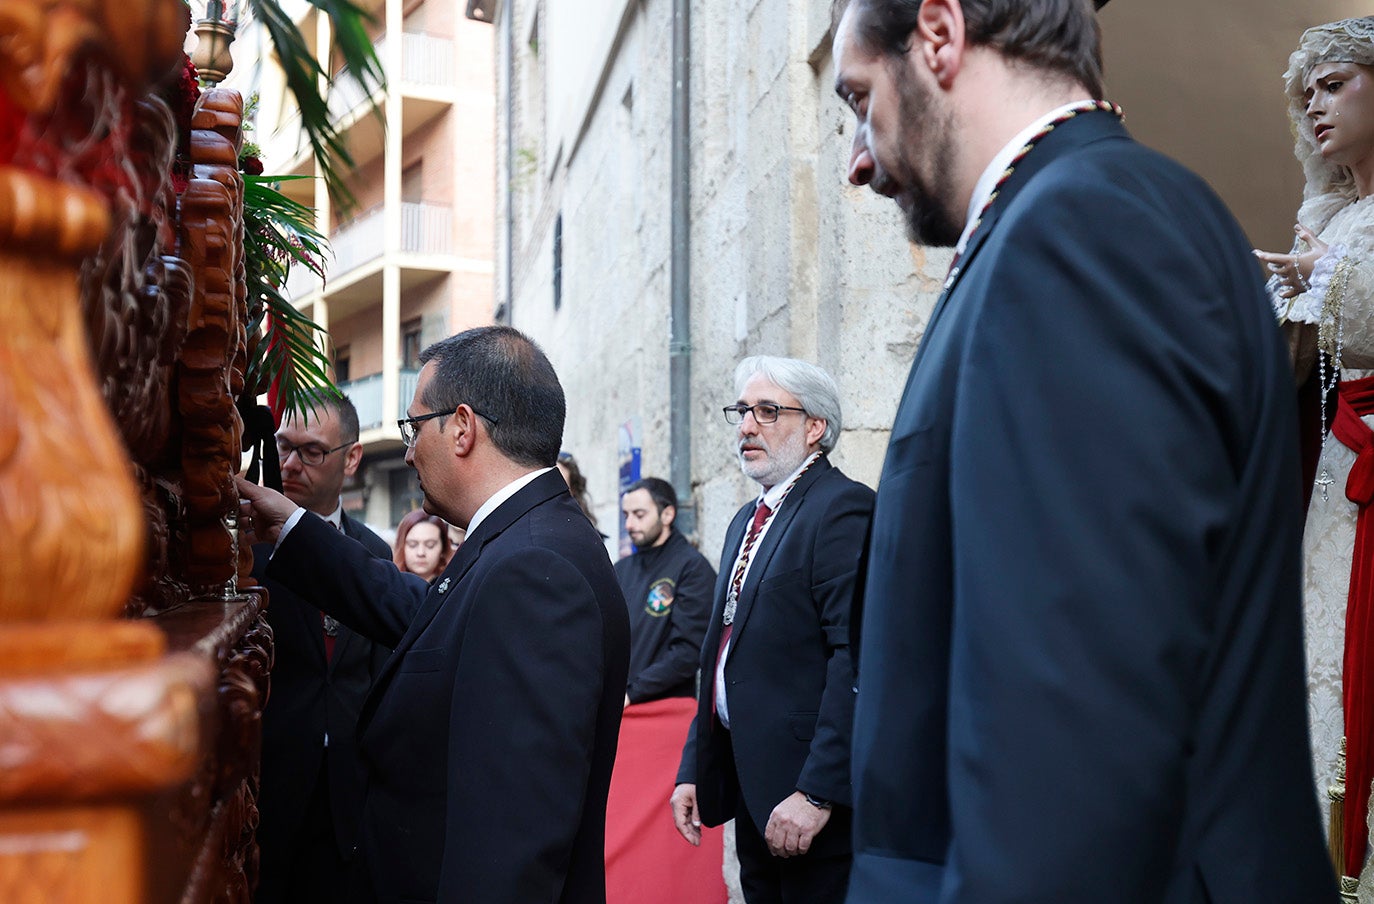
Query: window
point(558, 261)
point(413, 183)
point(341, 354)
point(411, 333)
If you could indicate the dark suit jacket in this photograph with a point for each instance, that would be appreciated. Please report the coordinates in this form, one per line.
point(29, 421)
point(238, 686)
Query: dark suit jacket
point(309, 698)
point(1081, 665)
point(490, 734)
point(788, 673)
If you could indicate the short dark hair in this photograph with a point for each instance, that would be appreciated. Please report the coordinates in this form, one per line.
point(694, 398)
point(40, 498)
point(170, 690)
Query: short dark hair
point(503, 375)
point(341, 406)
point(660, 491)
point(1058, 36)
point(347, 413)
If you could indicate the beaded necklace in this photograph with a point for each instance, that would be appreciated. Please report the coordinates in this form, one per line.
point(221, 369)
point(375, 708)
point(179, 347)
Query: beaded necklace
point(1085, 107)
point(1330, 339)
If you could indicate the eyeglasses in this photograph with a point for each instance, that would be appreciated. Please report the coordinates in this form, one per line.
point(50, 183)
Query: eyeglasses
point(764, 413)
point(310, 454)
point(410, 426)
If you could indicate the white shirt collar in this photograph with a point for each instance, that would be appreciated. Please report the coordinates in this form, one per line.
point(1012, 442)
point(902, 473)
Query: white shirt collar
point(501, 495)
point(983, 188)
point(774, 495)
point(335, 517)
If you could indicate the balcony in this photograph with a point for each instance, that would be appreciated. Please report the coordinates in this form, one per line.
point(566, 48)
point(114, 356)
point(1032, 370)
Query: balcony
point(301, 282)
point(426, 61)
point(425, 86)
point(426, 229)
point(366, 395)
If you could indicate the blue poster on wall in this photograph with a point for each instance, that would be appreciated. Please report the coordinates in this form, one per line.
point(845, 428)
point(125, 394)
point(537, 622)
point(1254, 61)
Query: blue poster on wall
point(628, 454)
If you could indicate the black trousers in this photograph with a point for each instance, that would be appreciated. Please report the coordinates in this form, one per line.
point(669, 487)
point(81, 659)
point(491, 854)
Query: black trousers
point(312, 870)
point(807, 879)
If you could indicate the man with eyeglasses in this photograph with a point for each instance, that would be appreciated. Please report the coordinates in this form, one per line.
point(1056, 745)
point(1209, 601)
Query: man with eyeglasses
point(490, 734)
point(769, 746)
point(312, 776)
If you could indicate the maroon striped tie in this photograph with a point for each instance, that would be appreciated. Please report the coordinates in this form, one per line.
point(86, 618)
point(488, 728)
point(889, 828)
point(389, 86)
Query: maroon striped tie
point(737, 581)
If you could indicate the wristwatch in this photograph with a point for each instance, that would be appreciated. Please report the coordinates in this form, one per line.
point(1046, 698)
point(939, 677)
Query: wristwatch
point(816, 802)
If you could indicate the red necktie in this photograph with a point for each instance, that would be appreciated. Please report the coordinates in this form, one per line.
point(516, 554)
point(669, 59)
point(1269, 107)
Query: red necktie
point(737, 582)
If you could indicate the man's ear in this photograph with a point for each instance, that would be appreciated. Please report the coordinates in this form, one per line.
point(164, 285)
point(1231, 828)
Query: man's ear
point(463, 423)
point(939, 38)
point(815, 429)
point(352, 458)
point(668, 515)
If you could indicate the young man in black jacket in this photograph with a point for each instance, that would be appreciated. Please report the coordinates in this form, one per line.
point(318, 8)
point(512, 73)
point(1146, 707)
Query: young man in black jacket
point(667, 586)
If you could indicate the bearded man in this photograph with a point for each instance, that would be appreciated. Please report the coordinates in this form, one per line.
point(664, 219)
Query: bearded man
point(1081, 664)
point(769, 746)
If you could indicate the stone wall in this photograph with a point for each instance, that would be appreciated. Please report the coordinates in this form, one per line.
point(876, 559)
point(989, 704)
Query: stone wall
point(787, 258)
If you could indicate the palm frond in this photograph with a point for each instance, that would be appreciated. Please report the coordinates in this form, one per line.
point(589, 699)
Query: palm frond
point(291, 364)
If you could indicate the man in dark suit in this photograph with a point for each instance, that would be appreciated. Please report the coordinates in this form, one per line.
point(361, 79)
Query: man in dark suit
point(1080, 674)
point(312, 776)
point(769, 746)
point(490, 733)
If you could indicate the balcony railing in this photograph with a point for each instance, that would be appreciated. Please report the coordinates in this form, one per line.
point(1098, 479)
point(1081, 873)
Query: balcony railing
point(425, 229)
point(345, 93)
point(366, 395)
point(426, 60)
point(301, 282)
point(405, 390)
point(357, 243)
point(286, 142)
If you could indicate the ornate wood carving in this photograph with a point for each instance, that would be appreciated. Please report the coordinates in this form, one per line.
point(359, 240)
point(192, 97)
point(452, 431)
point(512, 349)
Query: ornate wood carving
point(72, 553)
point(130, 747)
point(214, 356)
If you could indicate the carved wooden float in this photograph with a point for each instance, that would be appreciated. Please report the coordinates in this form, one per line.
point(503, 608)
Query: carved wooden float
point(132, 668)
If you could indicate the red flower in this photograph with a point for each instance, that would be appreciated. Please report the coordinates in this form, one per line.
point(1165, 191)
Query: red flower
point(251, 165)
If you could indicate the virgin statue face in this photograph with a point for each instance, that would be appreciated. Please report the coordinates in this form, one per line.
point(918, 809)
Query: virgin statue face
point(1340, 108)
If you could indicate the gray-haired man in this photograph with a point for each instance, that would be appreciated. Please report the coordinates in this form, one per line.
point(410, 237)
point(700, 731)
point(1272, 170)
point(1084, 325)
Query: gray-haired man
point(770, 744)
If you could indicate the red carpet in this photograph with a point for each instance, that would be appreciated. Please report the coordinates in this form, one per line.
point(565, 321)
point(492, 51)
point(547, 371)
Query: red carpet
point(647, 861)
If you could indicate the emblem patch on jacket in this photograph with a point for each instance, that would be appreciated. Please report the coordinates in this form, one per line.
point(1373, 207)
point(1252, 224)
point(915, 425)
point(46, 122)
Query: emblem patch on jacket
point(660, 599)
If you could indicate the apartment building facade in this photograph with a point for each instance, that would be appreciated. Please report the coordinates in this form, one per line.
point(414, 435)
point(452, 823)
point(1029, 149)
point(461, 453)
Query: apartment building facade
point(412, 257)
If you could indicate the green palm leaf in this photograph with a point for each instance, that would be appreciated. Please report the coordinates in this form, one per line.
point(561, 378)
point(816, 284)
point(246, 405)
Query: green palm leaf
point(290, 365)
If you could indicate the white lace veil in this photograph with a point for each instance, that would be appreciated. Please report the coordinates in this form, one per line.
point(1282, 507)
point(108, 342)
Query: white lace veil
point(1329, 186)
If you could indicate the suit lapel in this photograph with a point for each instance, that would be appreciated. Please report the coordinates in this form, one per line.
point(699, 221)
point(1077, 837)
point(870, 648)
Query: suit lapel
point(540, 490)
point(769, 544)
point(733, 538)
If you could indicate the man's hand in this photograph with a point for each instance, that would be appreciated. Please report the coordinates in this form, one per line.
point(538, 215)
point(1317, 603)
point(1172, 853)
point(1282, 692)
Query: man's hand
point(685, 814)
point(793, 825)
point(269, 511)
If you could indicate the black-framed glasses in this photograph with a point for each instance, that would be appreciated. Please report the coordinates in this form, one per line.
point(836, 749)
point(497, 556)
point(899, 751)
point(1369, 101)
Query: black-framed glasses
point(310, 454)
point(410, 426)
point(764, 412)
